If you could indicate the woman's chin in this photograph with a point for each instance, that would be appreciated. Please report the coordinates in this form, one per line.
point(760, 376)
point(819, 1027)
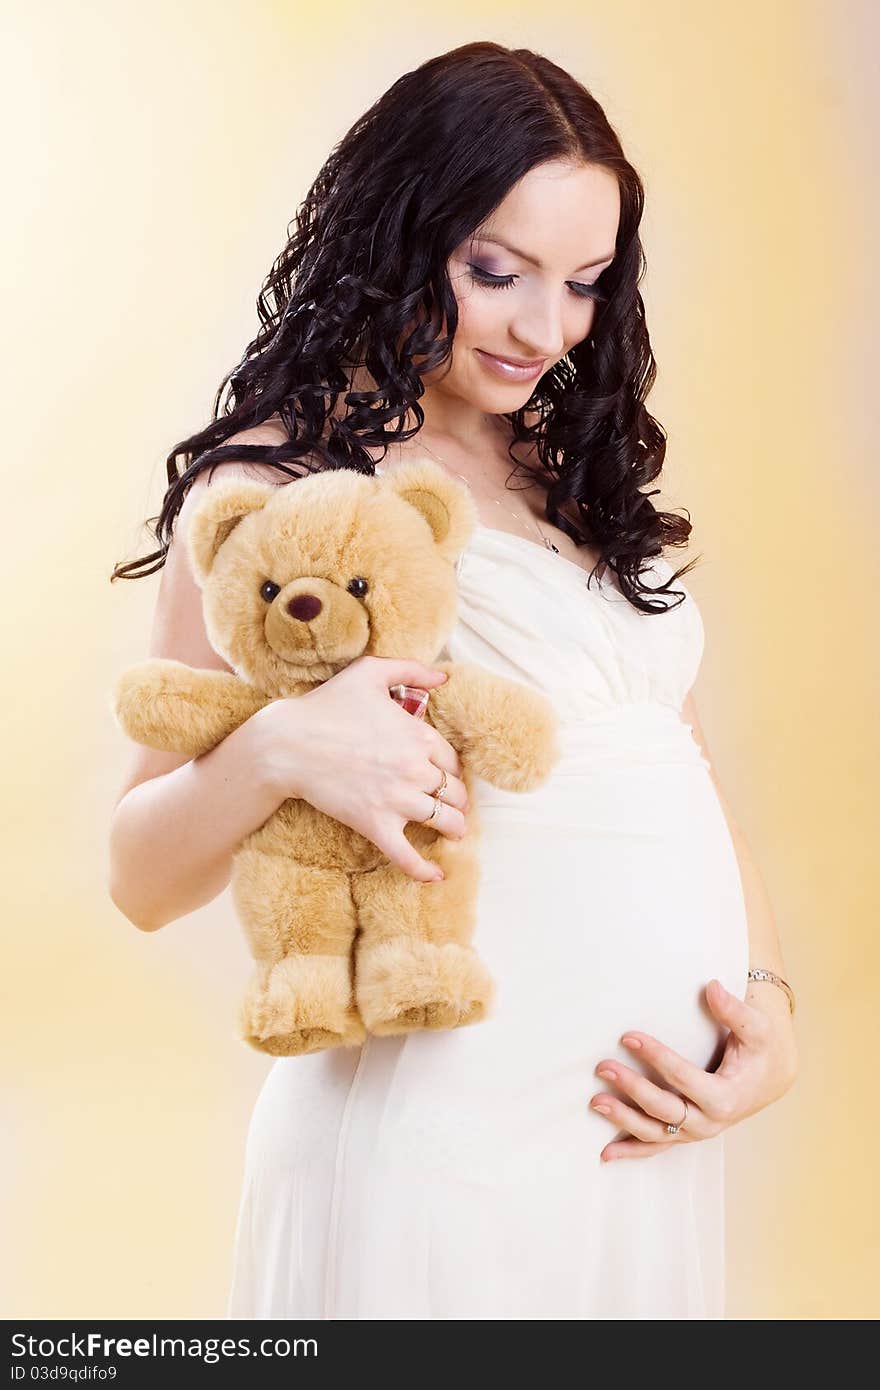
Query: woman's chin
point(501, 397)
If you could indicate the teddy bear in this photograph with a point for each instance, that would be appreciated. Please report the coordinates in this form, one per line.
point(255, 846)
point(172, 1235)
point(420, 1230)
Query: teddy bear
point(298, 581)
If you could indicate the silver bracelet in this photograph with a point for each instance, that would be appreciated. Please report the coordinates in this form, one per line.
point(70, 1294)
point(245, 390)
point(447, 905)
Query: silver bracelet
point(758, 974)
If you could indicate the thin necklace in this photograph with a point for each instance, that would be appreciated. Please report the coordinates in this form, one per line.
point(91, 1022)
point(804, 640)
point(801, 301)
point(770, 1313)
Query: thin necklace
point(546, 539)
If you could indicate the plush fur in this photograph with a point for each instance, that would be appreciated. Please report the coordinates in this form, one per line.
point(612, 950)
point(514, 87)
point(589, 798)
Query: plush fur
point(344, 942)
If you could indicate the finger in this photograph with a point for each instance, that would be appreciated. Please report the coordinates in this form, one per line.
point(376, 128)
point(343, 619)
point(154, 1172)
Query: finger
point(393, 671)
point(656, 1101)
point(632, 1148)
point(448, 820)
point(633, 1121)
point(747, 1022)
point(442, 752)
point(700, 1086)
point(454, 792)
point(435, 747)
point(404, 856)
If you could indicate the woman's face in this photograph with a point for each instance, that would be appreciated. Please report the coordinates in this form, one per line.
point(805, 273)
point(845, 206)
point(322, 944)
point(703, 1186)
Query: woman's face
point(522, 283)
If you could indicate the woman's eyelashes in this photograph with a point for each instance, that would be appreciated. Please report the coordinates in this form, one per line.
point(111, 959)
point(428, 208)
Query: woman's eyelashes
point(504, 282)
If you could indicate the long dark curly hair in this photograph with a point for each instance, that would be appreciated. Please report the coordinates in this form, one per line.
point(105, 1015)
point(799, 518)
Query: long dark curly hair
point(363, 280)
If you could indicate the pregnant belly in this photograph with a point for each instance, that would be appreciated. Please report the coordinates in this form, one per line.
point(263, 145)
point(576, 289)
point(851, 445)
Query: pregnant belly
point(609, 911)
point(616, 901)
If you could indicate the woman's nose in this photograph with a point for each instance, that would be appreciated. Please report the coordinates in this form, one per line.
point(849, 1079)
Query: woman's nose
point(539, 333)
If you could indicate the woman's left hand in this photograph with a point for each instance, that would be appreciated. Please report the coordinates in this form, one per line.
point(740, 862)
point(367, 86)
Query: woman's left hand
point(758, 1067)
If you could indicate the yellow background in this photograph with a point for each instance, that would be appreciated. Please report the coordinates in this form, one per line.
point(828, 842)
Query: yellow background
point(155, 155)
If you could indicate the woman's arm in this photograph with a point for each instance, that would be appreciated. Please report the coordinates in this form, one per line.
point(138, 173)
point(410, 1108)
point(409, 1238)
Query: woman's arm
point(177, 823)
point(765, 949)
point(173, 835)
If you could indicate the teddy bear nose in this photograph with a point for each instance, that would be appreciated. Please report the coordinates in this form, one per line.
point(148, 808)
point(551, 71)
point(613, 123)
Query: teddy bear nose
point(304, 607)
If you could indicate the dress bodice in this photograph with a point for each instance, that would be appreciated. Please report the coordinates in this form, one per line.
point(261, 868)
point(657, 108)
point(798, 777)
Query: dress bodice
point(616, 677)
point(529, 613)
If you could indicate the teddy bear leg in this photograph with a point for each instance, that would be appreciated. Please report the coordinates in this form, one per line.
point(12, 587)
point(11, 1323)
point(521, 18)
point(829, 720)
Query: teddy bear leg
point(300, 925)
point(415, 967)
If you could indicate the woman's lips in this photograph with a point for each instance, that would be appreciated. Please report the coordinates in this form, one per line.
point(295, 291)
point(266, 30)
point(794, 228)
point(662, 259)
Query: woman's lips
point(507, 370)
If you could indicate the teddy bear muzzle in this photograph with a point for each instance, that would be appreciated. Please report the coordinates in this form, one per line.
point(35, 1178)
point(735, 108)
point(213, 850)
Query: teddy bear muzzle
point(314, 614)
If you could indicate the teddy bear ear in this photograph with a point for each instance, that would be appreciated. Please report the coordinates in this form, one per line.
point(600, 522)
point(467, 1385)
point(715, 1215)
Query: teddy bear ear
point(447, 505)
point(214, 520)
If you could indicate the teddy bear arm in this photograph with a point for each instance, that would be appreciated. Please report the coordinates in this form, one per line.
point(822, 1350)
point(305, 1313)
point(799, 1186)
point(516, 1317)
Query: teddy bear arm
point(177, 708)
point(504, 730)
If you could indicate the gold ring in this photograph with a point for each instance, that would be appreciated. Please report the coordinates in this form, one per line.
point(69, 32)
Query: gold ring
point(434, 809)
point(673, 1129)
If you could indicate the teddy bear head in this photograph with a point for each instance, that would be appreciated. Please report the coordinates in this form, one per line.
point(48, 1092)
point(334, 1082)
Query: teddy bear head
point(300, 579)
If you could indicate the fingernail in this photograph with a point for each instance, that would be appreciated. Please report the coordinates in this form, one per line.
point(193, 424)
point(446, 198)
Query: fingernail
point(439, 875)
point(631, 1042)
point(602, 1109)
point(607, 1074)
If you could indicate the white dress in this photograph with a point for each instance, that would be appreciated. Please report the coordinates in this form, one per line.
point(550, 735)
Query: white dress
point(456, 1174)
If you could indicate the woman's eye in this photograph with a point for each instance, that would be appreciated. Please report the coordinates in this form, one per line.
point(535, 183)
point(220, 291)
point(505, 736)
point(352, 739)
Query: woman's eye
point(504, 282)
point(494, 282)
point(588, 292)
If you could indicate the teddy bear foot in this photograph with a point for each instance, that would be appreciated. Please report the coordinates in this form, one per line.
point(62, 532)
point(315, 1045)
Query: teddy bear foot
point(300, 1004)
point(403, 986)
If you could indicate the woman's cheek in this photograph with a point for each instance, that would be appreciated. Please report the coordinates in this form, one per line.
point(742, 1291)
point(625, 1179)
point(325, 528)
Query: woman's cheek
point(478, 320)
point(584, 325)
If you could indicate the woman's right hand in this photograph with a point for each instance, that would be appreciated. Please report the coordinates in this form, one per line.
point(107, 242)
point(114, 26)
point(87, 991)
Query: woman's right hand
point(353, 752)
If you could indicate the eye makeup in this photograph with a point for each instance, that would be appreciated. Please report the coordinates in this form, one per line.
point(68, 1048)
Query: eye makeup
point(505, 282)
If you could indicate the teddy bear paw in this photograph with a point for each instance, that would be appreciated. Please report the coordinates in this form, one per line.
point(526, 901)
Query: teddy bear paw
point(403, 986)
point(300, 1004)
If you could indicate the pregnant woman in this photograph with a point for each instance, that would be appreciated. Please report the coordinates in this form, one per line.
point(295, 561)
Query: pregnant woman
point(462, 283)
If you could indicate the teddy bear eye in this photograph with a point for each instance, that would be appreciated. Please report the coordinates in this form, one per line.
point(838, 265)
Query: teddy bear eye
point(269, 590)
point(358, 587)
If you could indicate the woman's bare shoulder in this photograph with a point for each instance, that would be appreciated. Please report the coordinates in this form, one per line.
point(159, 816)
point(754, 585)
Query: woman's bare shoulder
point(178, 630)
point(271, 432)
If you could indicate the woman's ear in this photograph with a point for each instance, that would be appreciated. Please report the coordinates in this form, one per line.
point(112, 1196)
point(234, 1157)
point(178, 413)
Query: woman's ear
point(215, 518)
